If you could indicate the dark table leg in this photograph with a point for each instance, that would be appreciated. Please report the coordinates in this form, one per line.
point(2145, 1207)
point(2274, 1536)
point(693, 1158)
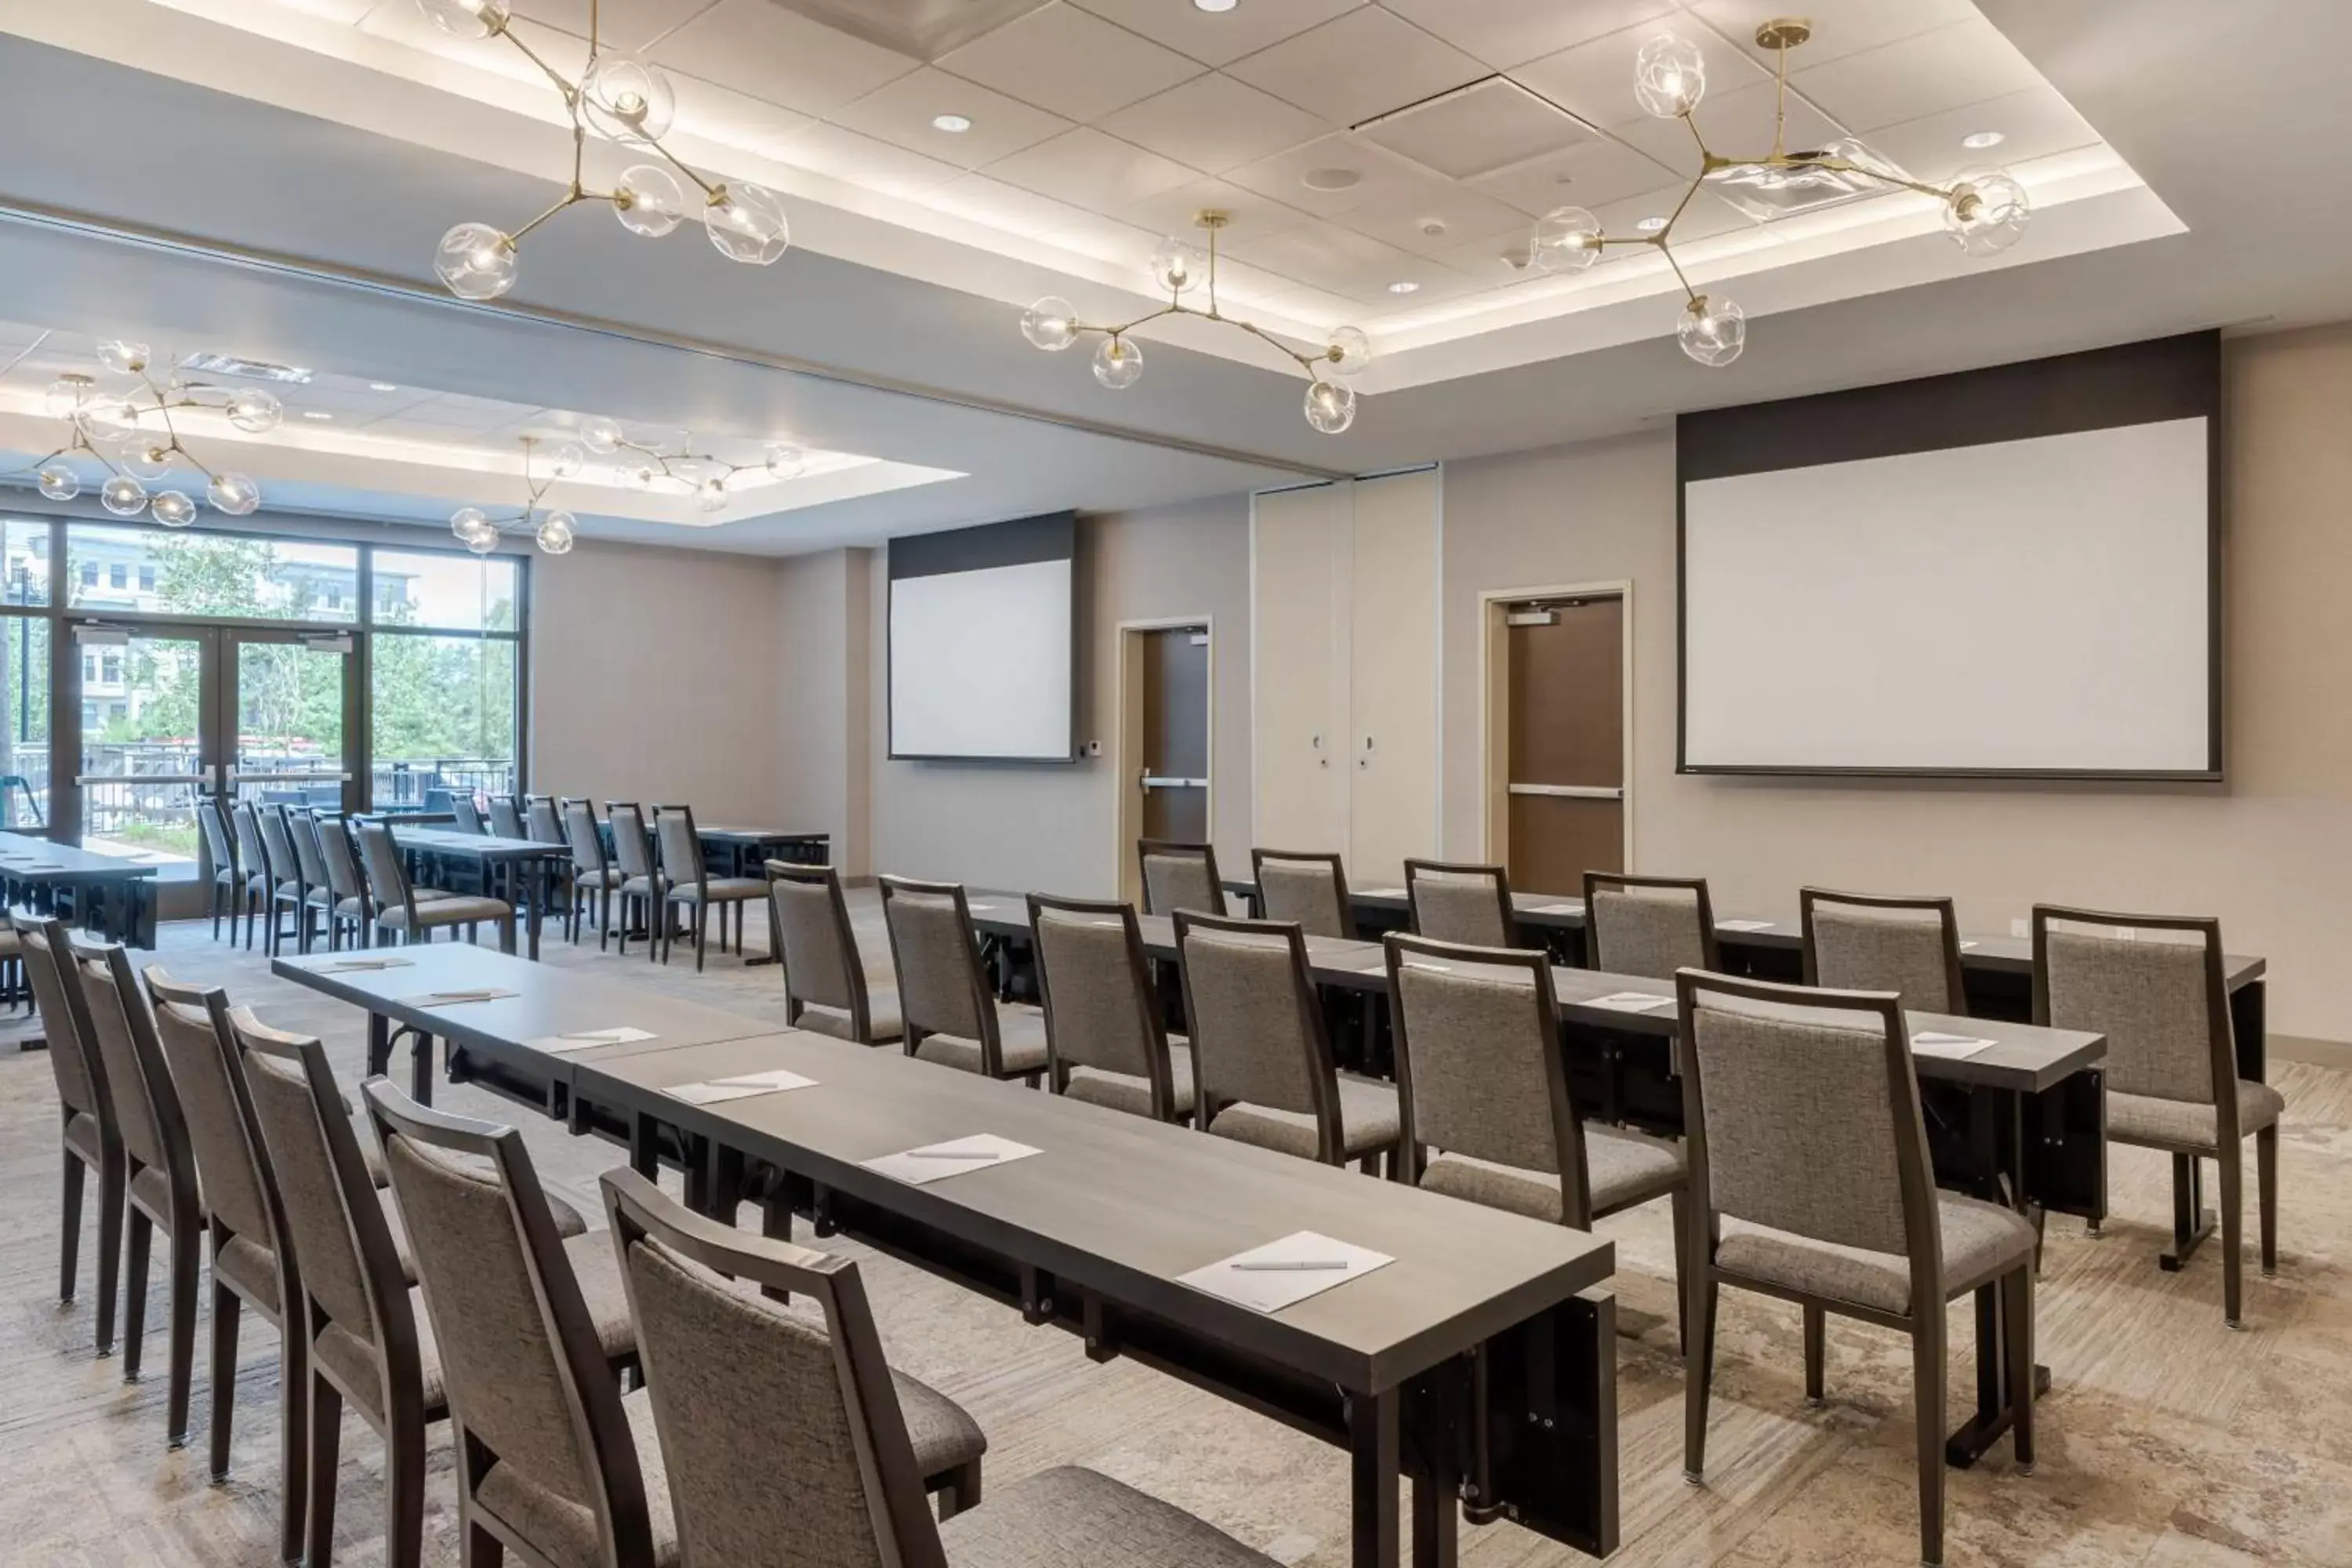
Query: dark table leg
point(2192, 1221)
point(1997, 1130)
point(744, 869)
point(536, 886)
point(1373, 1445)
point(379, 1044)
point(420, 1067)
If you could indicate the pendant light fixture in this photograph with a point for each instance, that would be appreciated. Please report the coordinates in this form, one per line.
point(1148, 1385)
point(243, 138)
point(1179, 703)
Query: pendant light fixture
point(640, 463)
point(131, 432)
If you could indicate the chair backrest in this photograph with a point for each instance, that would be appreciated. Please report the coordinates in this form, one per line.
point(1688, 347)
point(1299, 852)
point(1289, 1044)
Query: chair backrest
point(540, 821)
point(1801, 1113)
point(1180, 876)
point(469, 814)
point(681, 850)
point(1479, 1067)
point(192, 1025)
point(816, 947)
point(1650, 926)
point(1256, 1025)
point(1454, 901)
point(1307, 888)
point(217, 842)
point(252, 859)
point(277, 844)
point(335, 854)
point(631, 850)
point(1097, 991)
point(775, 1426)
point(936, 953)
point(73, 1061)
point(309, 862)
point(1875, 942)
point(506, 822)
point(147, 1106)
point(379, 859)
point(580, 831)
point(2156, 987)
point(525, 1372)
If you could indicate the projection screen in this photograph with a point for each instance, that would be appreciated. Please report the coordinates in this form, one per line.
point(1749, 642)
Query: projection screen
point(981, 632)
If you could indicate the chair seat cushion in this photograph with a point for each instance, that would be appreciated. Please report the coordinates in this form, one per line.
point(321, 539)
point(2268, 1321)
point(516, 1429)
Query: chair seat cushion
point(1130, 1093)
point(252, 1267)
point(1020, 1031)
point(1368, 1122)
point(641, 887)
point(883, 1026)
point(151, 1189)
point(448, 910)
point(1623, 1168)
point(352, 1361)
point(2183, 1123)
point(564, 1531)
point(595, 877)
point(81, 1135)
point(723, 891)
point(1982, 1241)
point(1070, 1518)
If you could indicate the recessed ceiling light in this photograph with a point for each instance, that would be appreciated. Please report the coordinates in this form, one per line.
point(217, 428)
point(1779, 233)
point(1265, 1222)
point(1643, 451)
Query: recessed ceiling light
point(953, 125)
point(1214, 6)
point(1651, 224)
point(383, 387)
point(316, 413)
point(1331, 179)
point(1977, 141)
point(1404, 286)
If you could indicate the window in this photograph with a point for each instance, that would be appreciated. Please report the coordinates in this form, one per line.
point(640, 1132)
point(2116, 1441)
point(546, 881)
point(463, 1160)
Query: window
point(444, 592)
point(444, 710)
point(117, 575)
point(117, 712)
point(112, 666)
point(23, 720)
point(146, 579)
point(216, 573)
point(90, 574)
point(88, 667)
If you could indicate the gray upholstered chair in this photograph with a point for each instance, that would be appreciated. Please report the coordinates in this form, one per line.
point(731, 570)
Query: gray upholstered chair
point(638, 881)
point(690, 883)
point(2160, 995)
point(825, 988)
point(350, 915)
point(414, 916)
point(225, 884)
point(253, 866)
point(90, 1137)
point(948, 1012)
point(781, 1426)
point(1307, 888)
point(542, 821)
point(1487, 1111)
point(468, 816)
point(1881, 941)
point(1809, 1181)
point(1180, 876)
point(1261, 1059)
point(285, 870)
point(1649, 926)
point(310, 871)
point(1104, 1040)
point(506, 820)
point(1454, 901)
point(160, 1172)
point(593, 871)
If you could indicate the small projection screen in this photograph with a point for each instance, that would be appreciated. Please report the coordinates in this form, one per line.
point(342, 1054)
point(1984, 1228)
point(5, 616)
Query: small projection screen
point(2004, 573)
point(983, 636)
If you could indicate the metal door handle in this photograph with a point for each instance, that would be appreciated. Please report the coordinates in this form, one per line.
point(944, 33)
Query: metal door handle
point(1570, 792)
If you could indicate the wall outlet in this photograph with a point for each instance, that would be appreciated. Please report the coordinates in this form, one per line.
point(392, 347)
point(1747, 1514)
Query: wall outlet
point(1094, 748)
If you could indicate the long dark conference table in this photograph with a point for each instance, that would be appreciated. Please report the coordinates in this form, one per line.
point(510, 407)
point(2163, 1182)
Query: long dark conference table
point(1481, 1363)
point(109, 894)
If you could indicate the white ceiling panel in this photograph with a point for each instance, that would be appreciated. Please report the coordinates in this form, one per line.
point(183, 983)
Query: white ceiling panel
point(773, 55)
point(1595, 79)
point(1840, 26)
point(1437, 222)
point(1492, 125)
point(1965, 63)
point(1214, 123)
point(351, 11)
point(2034, 123)
point(1090, 170)
point(1506, 33)
point(1583, 175)
point(620, 23)
point(1379, 176)
point(737, 120)
point(1497, 261)
point(1220, 37)
point(1323, 254)
point(1071, 62)
point(1708, 215)
point(1007, 208)
point(1172, 211)
point(403, 23)
point(869, 164)
point(901, 112)
point(1365, 63)
point(1106, 239)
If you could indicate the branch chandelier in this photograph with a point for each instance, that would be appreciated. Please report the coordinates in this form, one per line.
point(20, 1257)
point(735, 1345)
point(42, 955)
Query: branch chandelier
point(625, 100)
point(642, 464)
point(1985, 209)
point(133, 435)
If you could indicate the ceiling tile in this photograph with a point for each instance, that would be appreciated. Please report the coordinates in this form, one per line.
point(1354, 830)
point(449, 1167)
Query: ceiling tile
point(620, 23)
point(1736, 125)
point(1497, 261)
point(1506, 33)
point(1595, 79)
point(868, 164)
point(1214, 123)
point(1379, 175)
point(1965, 63)
point(1007, 208)
point(1107, 239)
point(1217, 39)
point(1491, 125)
point(901, 112)
point(404, 24)
point(1090, 170)
point(345, 12)
point(1319, 252)
point(778, 56)
point(1585, 175)
point(1368, 62)
point(2034, 123)
point(1172, 211)
point(1069, 61)
point(1840, 26)
point(1372, 293)
point(723, 115)
point(1455, 213)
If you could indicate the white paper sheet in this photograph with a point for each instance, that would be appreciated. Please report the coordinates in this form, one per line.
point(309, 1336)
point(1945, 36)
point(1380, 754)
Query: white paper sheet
point(1268, 1278)
point(1628, 1002)
point(1965, 945)
point(583, 1039)
point(1566, 907)
point(1382, 893)
point(1954, 1047)
point(719, 1090)
point(936, 1162)
point(1743, 925)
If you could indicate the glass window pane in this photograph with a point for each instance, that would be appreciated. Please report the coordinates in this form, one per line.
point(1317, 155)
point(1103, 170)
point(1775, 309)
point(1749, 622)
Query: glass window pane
point(454, 592)
point(151, 570)
point(289, 724)
point(444, 711)
point(24, 561)
point(23, 721)
point(141, 747)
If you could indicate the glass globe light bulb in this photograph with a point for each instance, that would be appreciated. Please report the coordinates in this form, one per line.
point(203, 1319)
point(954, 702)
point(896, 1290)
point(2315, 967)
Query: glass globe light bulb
point(108, 420)
point(236, 494)
point(150, 458)
point(466, 519)
point(648, 200)
point(466, 18)
point(1565, 239)
point(173, 508)
point(711, 494)
point(1330, 406)
point(66, 396)
point(122, 356)
point(785, 462)
point(1118, 363)
point(123, 495)
point(601, 435)
point(1177, 265)
point(1051, 323)
point(253, 411)
point(1669, 75)
point(60, 482)
point(747, 224)
point(483, 541)
point(627, 99)
point(555, 530)
point(476, 261)
point(1713, 329)
point(1986, 211)
point(566, 461)
point(1345, 353)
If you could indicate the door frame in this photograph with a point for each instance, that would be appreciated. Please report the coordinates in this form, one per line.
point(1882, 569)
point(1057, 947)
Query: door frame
point(1494, 696)
point(1127, 727)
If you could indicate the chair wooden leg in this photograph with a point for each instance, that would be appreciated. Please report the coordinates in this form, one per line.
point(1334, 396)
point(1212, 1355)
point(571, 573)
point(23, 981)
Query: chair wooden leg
point(2233, 1234)
point(188, 1254)
point(326, 1453)
point(2017, 1334)
point(477, 1548)
point(112, 1184)
point(404, 1493)
point(604, 919)
point(69, 1252)
point(1698, 1366)
point(959, 1490)
point(507, 935)
point(293, 1435)
point(2266, 1194)
point(1928, 1372)
point(226, 1310)
point(1816, 1353)
point(702, 929)
point(134, 1291)
point(1680, 1198)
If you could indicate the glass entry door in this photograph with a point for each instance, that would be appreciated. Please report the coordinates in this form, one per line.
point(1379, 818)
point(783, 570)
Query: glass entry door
point(289, 695)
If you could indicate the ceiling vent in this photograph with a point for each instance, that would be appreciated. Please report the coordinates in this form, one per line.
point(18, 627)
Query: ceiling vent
point(250, 369)
point(923, 28)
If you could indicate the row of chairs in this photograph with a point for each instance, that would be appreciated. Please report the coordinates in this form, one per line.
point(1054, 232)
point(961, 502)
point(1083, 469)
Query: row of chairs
point(345, 878)
point(629, 1400)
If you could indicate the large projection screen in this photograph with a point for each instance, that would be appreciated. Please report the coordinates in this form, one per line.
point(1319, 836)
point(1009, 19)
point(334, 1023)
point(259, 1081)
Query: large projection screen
point(981, 638)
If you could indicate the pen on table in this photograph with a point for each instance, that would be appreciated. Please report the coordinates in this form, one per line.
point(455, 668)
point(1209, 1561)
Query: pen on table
point(953, 1154)
point(1299, 1266)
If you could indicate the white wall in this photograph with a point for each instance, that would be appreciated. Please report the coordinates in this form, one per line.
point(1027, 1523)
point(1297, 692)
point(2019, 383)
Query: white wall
point(824, 778)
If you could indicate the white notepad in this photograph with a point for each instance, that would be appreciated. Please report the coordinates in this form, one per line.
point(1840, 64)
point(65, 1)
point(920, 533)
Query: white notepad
point(1569, 907)
point(1968, 945)
point(1382, 894)
point(581, 1039)
point(1956, 1047)
point(979, 909)
point(719, 1090)
point(936, 1162)
point(452, 998)
point(1743, 925)
point(1629, 1001)
point(1285, 1272)
point(356, 965)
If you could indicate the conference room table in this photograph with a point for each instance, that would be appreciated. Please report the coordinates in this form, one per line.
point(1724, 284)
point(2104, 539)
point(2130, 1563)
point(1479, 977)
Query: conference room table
point(109, 894)
point(1478, 1362)
point(528, 865)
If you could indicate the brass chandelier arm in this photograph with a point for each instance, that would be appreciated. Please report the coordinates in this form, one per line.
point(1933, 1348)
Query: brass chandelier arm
point(712, 192)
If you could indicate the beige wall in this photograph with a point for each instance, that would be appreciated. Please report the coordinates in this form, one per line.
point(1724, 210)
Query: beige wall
point(2270, 851)
point(824, 778)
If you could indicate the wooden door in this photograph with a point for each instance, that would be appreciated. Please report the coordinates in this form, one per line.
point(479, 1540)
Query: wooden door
point(1393, 676)
point(1175, 769)
point(1566, 716)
